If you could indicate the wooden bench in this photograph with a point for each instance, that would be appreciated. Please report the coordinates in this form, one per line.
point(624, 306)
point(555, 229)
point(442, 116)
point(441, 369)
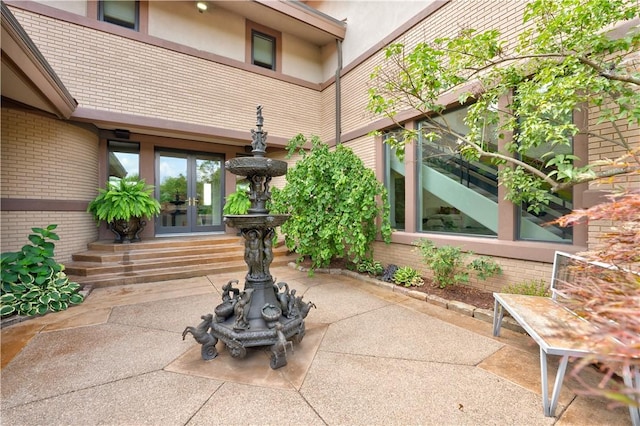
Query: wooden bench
point(557, 330)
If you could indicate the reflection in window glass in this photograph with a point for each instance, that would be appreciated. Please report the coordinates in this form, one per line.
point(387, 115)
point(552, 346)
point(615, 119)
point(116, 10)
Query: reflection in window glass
point(208, 191)
point(534, 226)
point(394, 180)
point(124, 160)
point(456, 196)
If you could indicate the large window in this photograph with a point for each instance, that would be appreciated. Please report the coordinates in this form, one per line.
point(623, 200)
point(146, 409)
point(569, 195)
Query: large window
point(394, 181)
point(455, 196)
point(119, 12)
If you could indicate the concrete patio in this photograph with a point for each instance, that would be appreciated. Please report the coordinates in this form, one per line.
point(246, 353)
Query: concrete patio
point(371, 355)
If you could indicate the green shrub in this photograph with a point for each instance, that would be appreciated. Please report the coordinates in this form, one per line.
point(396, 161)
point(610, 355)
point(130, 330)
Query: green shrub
point(407, 277)
point(449, 264)
point(371, 267)
point(334, 202)
point(32, 281)
point(529, 288)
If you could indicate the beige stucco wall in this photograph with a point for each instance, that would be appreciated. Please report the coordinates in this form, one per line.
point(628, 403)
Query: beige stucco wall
point(79, 7)
point(368, 22)
point(301, 59)
point(216, 30)
point(50, 160)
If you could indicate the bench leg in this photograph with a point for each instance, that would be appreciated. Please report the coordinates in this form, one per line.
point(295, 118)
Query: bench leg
point(549, 406)
point(498, 314)
point(632, 380)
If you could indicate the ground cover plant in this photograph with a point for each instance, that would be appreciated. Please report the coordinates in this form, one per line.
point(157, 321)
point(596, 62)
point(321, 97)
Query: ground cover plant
point(334, 202)
point(529, 288)
point(33, 283)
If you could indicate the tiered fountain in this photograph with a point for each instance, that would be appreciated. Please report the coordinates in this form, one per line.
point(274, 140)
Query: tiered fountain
point(264, 313)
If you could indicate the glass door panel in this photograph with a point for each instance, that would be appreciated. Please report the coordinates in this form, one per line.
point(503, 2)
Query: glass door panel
point(173, 189)
point(208, 196)
point(190, 192)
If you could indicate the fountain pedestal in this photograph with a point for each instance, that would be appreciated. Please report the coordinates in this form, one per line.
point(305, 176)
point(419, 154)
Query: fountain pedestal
point(264, 313)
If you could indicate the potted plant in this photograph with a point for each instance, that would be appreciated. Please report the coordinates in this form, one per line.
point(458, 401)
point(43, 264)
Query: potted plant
point(123, 205)
point(237, 202)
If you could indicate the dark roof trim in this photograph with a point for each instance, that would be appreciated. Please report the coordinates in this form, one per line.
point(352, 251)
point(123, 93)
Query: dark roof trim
point(21, 50)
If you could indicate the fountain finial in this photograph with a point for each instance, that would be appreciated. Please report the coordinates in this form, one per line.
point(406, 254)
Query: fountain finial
point(258, 136)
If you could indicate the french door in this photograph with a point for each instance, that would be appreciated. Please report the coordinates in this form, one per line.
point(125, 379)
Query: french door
point(189, 187)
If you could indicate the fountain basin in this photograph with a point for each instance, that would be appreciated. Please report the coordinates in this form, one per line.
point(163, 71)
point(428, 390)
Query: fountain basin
point(261, 166)
point(255, 220)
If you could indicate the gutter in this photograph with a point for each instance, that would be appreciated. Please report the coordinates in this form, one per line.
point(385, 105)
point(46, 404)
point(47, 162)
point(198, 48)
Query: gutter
point(338, 93)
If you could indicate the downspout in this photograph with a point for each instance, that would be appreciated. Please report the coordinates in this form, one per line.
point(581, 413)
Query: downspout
point(338, 93)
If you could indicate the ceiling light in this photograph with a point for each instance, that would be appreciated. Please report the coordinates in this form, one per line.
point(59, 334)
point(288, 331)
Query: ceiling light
point(202, 6)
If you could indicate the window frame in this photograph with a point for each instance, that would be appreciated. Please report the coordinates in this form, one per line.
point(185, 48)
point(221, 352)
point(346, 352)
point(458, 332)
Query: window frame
point(136, 24)
point(254, 28)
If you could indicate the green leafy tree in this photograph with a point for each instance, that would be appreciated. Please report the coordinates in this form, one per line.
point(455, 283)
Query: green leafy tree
point(563, 61)
point(173, 187)
point(334, 202)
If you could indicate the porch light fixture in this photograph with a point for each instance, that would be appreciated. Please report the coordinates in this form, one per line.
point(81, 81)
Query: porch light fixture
point(122, 134)
point(202, 6)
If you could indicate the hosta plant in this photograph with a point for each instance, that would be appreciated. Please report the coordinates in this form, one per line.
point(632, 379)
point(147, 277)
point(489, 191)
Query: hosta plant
point(33, 283)
point(371, 267)
point(408, 277)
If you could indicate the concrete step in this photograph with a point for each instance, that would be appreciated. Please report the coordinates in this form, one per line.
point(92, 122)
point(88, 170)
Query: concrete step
point(165, 274)
point(108, 264)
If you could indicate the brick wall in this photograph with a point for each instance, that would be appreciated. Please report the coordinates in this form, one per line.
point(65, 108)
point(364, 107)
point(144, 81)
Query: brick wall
point(364, 148)
point(113, 73)
point(447, 21)
point(44, 158)
point(328, 114)
point(75, 229)
point(47, 159)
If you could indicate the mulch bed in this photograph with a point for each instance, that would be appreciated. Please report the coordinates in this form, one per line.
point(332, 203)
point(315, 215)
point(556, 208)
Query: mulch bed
point(461, 293)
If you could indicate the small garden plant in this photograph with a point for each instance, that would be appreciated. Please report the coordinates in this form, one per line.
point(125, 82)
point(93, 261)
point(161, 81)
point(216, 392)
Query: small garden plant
point(449, 264)
point(33, 283)
point(529, 288)
point(371, 267)
point(408, 277)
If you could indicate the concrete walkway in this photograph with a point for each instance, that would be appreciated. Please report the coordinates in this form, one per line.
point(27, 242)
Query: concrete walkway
point(370, 356)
